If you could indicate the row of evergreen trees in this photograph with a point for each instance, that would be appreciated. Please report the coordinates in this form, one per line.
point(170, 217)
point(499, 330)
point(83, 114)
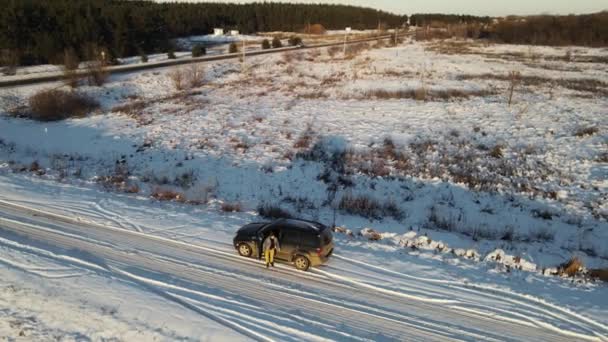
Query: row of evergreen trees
point(35, 31)
point(430, 19)
point(586, 30)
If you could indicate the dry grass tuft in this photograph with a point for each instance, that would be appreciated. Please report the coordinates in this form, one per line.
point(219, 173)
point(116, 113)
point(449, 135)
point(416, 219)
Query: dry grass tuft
point(571, 268)
point(168, 195)
point(178, 78)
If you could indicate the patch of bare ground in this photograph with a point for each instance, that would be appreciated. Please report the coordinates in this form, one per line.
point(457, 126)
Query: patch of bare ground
point(589, 85)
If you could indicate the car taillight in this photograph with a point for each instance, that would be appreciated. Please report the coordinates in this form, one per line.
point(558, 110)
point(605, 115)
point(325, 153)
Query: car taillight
point(319, 251)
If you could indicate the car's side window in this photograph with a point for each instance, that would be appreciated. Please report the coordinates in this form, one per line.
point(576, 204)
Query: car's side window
point(290, 237)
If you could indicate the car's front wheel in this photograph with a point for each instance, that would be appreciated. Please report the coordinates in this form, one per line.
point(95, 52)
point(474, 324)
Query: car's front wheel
point(245, 250)
point(302, 263)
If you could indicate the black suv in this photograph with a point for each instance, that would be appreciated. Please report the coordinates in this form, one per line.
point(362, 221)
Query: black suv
point(305, 243)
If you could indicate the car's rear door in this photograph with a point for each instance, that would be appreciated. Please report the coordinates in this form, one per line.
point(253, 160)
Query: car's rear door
point(289, 240)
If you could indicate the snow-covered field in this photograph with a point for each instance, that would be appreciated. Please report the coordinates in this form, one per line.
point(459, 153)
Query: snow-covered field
point(454, 175)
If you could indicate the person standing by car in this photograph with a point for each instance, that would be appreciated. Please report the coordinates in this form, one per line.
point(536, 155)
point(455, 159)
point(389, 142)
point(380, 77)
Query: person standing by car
point(270, 246)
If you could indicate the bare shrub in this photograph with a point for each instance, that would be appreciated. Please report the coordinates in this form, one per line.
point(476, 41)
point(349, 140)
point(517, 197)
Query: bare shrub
point(273, 211)
point(54, 104)
point(276, 43)
point(178, 78)
point(365, 206)
point(195, 75)
point(265, 44)
point(294, 41)
point(233, 48)
point(514, 80)
point(585, 131)
point(497, 152)
point(361, 205)
point(96, 67)
point(231, 207)
point(97, 73)
point(440, 221)
point(198, 50)
point(571, 268)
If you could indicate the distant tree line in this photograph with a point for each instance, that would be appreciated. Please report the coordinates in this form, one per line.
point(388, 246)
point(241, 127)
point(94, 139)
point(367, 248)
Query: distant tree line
point(35, 31)
point(587, 30)
point(444, 19)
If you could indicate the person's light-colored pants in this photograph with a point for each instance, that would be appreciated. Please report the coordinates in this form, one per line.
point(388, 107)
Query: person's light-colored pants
point(269, 256)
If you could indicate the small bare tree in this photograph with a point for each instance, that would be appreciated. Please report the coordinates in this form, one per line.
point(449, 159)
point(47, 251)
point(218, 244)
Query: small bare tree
point(97, 65)
point(195, 75)
point(70, 68)
point(514, 80)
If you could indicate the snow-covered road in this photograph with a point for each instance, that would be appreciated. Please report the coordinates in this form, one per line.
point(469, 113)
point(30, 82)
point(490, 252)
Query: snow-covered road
point(346, 300)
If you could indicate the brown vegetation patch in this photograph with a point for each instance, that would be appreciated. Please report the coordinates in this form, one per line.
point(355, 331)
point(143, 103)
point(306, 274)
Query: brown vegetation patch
point(600, 274)
point(424, 94)
point(571, 268)
point(577, 84)
point(586, 131)
point(231, 207)
point(55, 104)
point(168, 195)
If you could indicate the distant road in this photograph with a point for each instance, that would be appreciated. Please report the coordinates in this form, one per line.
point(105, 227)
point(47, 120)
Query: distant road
point(56, 76)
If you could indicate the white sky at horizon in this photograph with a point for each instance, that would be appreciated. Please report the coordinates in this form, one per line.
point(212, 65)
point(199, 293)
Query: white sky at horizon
point(474, 7)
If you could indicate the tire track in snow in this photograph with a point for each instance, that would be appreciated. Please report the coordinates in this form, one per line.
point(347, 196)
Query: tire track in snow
point(513, 297)
point(121, 235)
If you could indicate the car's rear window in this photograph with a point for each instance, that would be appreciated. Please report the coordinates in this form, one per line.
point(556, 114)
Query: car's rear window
point(310, 240)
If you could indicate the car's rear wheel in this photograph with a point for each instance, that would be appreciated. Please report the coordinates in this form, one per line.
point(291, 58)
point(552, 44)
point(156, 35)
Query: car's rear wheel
point(302, 263)
point(245, 250)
